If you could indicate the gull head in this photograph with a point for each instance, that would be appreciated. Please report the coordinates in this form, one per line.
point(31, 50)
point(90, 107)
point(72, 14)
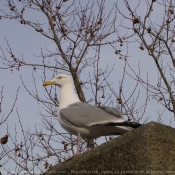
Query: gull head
point(60, 80)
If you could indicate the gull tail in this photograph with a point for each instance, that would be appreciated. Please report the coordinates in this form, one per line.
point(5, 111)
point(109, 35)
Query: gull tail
point(112, 129)
point(124, 127)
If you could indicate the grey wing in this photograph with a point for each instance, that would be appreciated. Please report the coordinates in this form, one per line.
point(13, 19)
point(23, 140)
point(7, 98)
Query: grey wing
point(112, 110)
point(83, 114)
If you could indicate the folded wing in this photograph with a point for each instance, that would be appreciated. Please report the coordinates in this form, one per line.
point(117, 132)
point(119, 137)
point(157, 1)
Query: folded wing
point(86, 115)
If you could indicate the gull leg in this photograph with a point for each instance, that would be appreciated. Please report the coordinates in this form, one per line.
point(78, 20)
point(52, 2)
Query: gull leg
point(78, 147)
point(90, 144)
point(78, 144)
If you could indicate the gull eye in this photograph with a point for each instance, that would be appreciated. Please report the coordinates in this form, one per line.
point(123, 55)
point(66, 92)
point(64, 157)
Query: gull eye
point(59, 77)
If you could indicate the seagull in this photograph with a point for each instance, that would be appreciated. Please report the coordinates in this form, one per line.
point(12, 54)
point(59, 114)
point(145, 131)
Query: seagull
point(86, 120)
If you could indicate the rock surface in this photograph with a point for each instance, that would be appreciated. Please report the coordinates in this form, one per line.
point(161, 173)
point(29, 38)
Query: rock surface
point(150, 149)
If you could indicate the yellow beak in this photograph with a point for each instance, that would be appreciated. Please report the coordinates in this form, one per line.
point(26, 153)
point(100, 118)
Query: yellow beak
point(47, 83)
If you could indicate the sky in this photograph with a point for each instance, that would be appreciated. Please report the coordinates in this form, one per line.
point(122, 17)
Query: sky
point(25, 41)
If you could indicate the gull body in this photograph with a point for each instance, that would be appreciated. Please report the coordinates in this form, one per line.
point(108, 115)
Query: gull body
point(85, 120)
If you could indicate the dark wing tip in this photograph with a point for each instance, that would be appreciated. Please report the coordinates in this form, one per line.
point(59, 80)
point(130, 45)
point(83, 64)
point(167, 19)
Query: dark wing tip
point(125, 123)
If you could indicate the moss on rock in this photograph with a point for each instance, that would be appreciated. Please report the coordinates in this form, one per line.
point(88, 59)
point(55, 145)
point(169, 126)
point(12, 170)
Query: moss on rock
point(148, 149)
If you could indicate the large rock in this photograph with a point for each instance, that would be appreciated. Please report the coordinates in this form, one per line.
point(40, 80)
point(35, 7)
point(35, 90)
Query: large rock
point(148, 149)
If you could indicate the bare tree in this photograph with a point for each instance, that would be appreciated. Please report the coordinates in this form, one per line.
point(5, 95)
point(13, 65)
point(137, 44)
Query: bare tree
point(4, 118)
point(155, 34)
point(80, 32)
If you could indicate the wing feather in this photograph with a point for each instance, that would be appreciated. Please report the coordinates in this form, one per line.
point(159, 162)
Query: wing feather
point(83, 114)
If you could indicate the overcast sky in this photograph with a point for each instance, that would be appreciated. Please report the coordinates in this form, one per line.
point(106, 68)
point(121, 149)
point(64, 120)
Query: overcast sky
point(25, 41)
